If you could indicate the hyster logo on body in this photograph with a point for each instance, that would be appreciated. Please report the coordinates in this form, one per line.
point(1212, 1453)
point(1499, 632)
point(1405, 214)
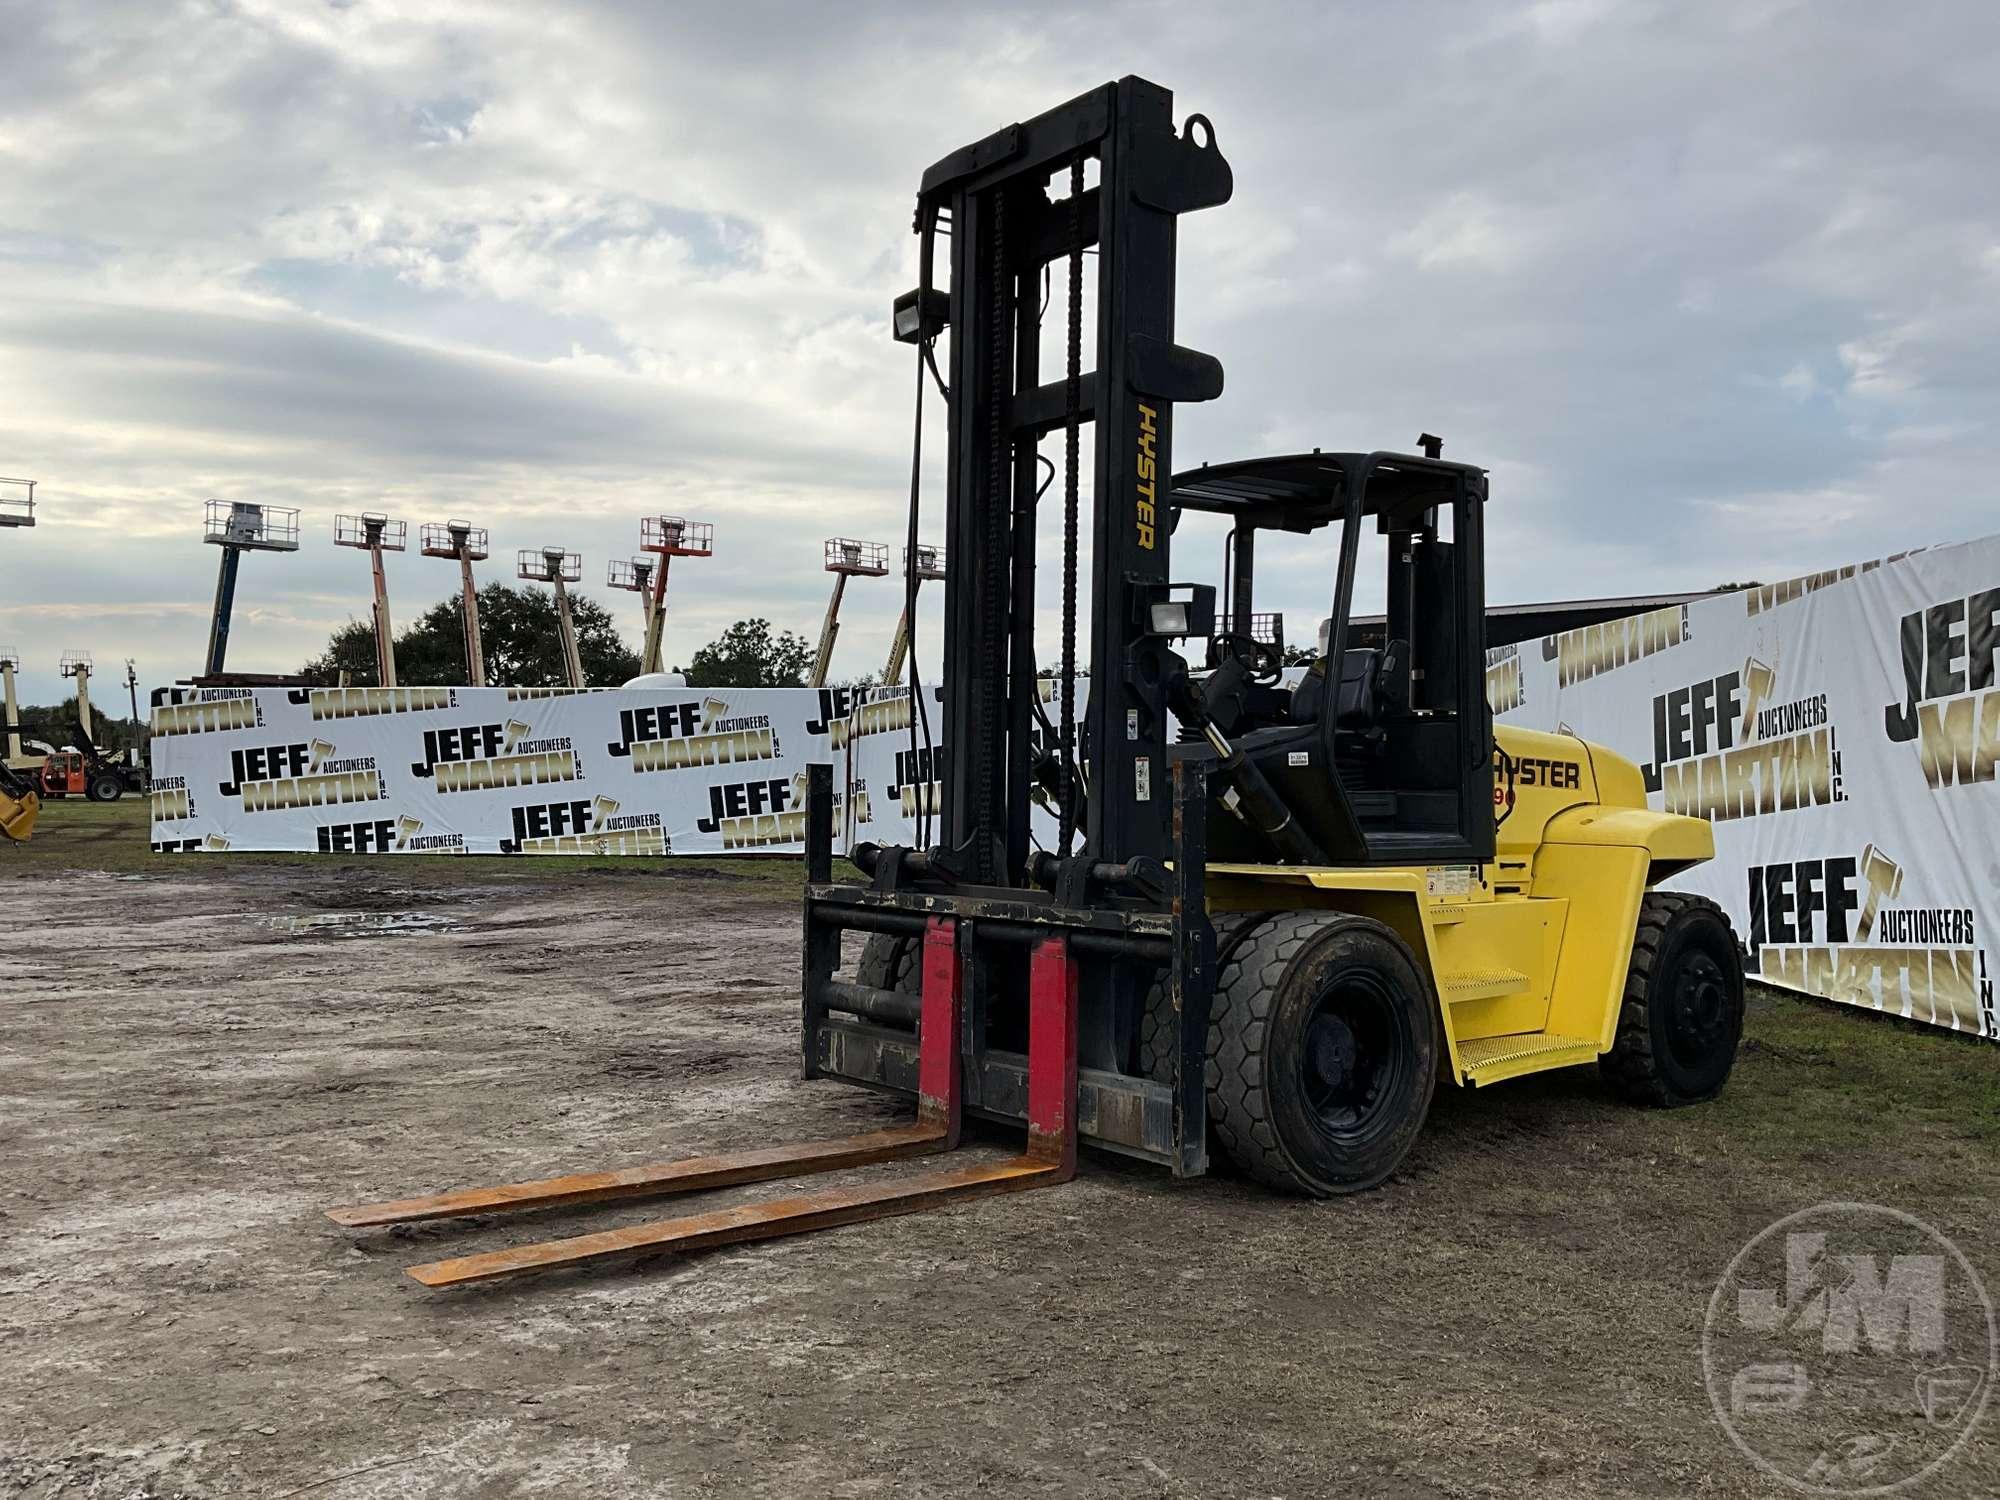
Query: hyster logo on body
point(1719, 752)
point(1950, 706)
point(670, 736)
point(269, 778)
point(476, 757)
point(1827, 926)
point(1561, 775)
point(1147, 510)
point(1511, 773)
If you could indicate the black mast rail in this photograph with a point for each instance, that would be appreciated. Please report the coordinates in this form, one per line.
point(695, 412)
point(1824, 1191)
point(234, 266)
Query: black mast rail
point(1108, 172)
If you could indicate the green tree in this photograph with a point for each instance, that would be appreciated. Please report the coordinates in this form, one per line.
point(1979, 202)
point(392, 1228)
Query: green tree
point(518, 631)
point(747, 654)
point(111, 731)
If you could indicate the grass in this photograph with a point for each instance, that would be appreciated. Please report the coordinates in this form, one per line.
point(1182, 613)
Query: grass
point(115, 837)
point(1827, 1067)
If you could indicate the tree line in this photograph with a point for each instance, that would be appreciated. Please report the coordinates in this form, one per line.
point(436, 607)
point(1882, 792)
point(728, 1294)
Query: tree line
point(522, 641)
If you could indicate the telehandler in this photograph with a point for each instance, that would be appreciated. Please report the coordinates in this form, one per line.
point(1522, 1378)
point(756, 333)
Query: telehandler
point(1274, 916)
point(89, 772)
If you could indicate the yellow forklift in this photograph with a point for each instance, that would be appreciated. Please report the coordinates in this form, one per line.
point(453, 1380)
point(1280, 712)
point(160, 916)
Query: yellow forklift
point(1273, 915)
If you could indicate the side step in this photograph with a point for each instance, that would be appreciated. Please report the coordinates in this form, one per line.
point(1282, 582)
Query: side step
point(1488, 1059)
point(1050, 1155)
point(1490, 983)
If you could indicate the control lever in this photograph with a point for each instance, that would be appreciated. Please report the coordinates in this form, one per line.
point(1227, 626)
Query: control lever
point(1258, 800)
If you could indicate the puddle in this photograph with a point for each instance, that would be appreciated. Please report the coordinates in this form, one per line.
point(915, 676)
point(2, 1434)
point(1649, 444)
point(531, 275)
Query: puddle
point(365, 924)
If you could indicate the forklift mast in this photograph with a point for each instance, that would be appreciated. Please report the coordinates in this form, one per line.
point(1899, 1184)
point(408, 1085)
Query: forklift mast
point(1005, 229)
point(1117, 909)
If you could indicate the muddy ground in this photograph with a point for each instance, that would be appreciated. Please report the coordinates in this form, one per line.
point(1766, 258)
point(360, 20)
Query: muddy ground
point(197, 1059)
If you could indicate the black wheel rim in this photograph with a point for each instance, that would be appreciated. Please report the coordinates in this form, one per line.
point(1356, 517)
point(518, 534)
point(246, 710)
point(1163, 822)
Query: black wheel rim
point(1697, 1018)
point(1354, 1054)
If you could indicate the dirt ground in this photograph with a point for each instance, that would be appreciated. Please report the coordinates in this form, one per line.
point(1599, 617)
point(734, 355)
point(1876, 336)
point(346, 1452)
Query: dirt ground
point(199, 1055)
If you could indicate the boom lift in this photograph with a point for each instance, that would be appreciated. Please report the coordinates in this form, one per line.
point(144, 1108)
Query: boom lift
point(1274, 915)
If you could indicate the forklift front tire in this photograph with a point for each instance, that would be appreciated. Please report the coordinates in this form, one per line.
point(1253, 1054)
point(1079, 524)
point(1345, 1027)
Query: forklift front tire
point(1156, 1027)
point(1322, 1053)
point(889, 962)
point(1682, 1015)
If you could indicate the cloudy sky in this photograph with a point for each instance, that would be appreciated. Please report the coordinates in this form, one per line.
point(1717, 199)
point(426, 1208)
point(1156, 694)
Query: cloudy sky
point(1712, 289)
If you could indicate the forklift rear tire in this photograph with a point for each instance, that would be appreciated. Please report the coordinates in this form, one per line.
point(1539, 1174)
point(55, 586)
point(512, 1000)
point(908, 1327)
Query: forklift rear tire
point(1682, 1015)
point(106, 789)
point(1322, 1053)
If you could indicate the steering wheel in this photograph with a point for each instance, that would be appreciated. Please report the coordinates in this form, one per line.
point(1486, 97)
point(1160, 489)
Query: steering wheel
point(1264, 661)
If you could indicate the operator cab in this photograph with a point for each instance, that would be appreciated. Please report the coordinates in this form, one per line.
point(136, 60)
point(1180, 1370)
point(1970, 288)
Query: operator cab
point(1381, 752)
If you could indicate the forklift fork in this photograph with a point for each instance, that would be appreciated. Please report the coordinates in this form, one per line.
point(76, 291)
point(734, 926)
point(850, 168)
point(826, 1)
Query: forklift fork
point(1050, 1155)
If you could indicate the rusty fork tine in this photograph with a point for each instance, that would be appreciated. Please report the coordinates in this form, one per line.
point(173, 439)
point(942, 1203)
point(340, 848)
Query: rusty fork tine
point(774, 1219)
point(694, 1174)
point(1050, 1157)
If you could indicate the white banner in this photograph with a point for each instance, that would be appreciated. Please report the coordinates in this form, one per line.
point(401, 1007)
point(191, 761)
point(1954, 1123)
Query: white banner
point(893, 771)
point(1841, 732)
point(432, 770)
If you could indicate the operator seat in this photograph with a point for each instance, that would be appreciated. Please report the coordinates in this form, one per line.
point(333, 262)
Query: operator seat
point(1368, 682)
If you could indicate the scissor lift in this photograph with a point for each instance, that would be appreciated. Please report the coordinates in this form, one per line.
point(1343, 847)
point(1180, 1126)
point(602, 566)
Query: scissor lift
point(1030, 961)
